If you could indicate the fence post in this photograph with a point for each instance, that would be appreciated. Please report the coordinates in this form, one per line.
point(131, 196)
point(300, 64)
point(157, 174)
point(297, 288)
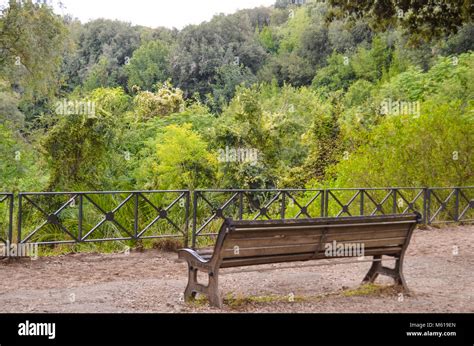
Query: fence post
point(362, 192)
point(427, 205)
point(19, 219)
point(195, 207)
point(135, 215)
point(241, 205)
point(81, 216)
point(283, 205)
point(322, 202)
point(456, 211)
point(394, 201)
point(326, 202)
point(10, 218)
point(186, 225)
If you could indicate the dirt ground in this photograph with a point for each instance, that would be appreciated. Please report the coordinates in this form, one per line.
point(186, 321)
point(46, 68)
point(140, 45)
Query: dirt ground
point(439, 269)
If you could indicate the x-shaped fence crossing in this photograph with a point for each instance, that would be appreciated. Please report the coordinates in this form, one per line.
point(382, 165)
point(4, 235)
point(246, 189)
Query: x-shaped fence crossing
point(260, 203)
point(76, 217)
point(89, 208)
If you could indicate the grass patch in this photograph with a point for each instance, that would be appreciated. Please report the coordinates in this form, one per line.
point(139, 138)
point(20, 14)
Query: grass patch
point(168, 245)
point(65, 249)
point(110, 247)
point(240, 301)
point(199, 301)
point(369, 289)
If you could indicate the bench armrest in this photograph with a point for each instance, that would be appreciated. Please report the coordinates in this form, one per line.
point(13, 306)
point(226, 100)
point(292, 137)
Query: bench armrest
point(193, 258)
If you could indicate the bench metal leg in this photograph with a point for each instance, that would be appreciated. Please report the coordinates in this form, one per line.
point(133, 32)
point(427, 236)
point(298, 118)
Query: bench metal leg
point(378, 269)
point(189, 292)
point(215, 299)
point(211, 290)
point(400, 279)
point(374, 270)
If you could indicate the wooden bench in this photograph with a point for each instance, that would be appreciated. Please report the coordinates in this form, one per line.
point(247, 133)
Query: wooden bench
point(247, 243)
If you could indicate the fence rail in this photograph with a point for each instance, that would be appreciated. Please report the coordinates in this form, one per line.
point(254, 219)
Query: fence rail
point(374, 201)
point(212, 205)
point(81, 217)
point(6, 217)
point(74, 217)
point(446, 205)
point(436, 205)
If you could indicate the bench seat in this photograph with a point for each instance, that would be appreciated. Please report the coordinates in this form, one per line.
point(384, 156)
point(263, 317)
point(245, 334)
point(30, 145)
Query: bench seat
point(247, 243)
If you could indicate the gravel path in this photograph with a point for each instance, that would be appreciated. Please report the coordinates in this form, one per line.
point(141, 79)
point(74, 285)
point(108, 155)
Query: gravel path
point(439, 269)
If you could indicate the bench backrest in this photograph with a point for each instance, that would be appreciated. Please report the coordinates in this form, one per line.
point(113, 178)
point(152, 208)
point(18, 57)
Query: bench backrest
point(247, 242)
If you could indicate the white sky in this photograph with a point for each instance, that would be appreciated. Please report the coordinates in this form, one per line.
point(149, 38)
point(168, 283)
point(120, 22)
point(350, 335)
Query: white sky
point(154, 13)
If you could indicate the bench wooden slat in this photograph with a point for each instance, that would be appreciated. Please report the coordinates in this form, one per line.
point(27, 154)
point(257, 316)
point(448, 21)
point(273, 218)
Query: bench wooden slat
point(316, 227)
point(269, 232)
point(289, 238)
point(368, 244)
point(375, 230)
point(382, 219)
point(361, 235)
point(299, 248)
point(241, 262)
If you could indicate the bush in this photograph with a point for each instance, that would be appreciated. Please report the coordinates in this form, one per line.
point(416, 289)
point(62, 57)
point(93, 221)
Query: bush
point(432, 150)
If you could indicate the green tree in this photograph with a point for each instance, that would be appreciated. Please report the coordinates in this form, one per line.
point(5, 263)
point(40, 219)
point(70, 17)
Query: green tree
point(179, 160)
point(9, 102)
point(462, 42)
point(110, 101)
point(165, 101)
point(293, 30)
point(337, 75)
point(148, 66)
point(273, 121)
point(108, 44)
point(75, 148)
point(423, 20)
point(371, 64)
point(407, 151)
point(202, 49)
point(32, 41)
point(20, 168)
point(315, 45)
point(228, 78)
point(340, 38)
point(268, 39)
point(100, 75)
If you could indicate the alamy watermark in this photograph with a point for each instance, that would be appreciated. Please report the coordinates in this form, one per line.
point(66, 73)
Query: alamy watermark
point(37, 329)
point(398, 107)
point(19, 250)
point(242, 155)
point(336, 249)
point(65, 107)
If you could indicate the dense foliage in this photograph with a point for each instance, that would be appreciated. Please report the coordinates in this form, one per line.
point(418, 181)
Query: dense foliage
point(320, 94)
